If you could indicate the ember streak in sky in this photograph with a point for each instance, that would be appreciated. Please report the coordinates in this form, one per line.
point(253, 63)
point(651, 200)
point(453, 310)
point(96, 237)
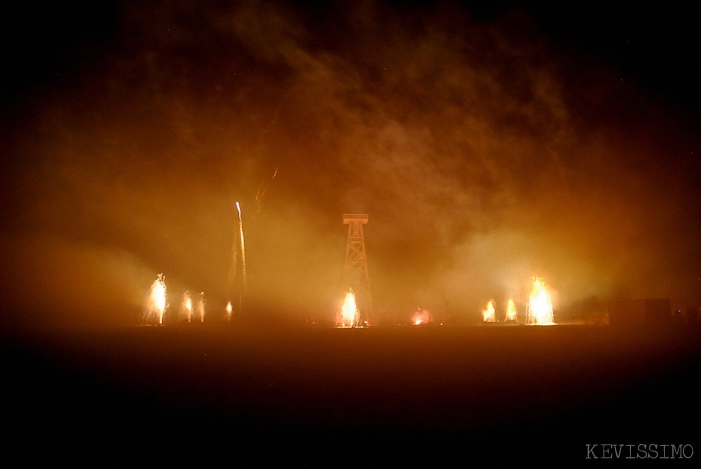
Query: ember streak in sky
point(487, 144)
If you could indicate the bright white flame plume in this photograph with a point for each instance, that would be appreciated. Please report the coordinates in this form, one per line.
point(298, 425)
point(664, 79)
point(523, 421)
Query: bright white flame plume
point(349, 310)
point(490, 314)
point(157, 303)
point(511, 314)
point(540, 307)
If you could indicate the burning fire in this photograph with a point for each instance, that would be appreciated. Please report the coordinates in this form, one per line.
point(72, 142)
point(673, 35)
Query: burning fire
point(511, 314)
point(421, 316)
point(349, 310)
point(228, 311)
point(490, 314)
point(156, 305)
point(186, 307)
point(540, 307)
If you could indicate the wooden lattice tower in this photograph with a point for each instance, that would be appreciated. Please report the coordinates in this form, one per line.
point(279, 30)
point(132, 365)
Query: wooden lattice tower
point(355, 273)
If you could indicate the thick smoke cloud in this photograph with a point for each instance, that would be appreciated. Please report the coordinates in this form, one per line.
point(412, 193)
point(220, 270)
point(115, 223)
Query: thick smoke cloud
point(483, 152)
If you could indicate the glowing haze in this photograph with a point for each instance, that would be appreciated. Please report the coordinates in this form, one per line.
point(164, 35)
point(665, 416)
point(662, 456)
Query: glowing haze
point(486, 146)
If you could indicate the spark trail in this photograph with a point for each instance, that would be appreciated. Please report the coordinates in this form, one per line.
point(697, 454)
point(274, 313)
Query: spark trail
point(261, 193)
point(243, 248)
point(238, 244)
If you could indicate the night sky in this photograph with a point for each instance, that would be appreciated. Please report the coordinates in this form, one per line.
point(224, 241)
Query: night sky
point(487, 146)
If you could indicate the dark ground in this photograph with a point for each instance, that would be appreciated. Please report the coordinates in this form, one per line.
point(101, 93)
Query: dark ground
point(317, 396)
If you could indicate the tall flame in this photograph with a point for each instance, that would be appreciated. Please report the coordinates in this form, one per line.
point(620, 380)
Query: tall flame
point(157, 303)
point(349, 310)
point(511, 314)
point(228, 311)
point(490, 314)
point(186, 306)
point(540, 307)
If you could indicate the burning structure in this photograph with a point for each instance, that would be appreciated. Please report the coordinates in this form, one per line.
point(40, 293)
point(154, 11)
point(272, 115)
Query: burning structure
point(540, 306)
point(356, 280)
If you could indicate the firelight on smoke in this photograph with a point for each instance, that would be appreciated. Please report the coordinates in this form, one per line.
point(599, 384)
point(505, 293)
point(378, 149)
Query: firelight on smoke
point(540, 307)
point(228, 311)
point(490, 314)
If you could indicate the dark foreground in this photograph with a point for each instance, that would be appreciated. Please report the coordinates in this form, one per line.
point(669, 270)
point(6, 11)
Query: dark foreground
point(326, 396)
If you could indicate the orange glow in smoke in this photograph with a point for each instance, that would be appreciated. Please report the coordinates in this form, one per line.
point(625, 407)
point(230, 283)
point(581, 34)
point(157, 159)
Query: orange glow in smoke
point(490, 314)
point(228, 310)
point(540, 307)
